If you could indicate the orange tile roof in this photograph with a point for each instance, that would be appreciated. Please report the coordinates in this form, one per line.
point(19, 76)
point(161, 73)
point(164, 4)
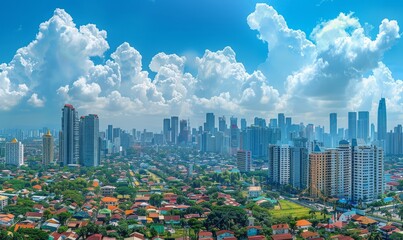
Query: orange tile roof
point(37, 187)
point(109, 199)
point(303, 222)
point(23, 225)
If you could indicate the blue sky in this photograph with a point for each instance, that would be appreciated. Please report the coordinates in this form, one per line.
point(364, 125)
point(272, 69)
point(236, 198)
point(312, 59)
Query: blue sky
point(187, 29)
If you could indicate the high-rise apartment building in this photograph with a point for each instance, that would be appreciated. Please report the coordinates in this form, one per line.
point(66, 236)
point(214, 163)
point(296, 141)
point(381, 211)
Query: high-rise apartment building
point(174, 130)
point(89, 141)
point(368, 182)
point(244, 160)
point(69, 136)
point(47, 149)
point(382, 120)
point(14, 153)
point(330, 172)
point(279, 164)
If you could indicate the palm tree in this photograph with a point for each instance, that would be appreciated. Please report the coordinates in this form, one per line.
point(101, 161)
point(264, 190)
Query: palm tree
point(375, 235)
point(312, 212)
point(324, 212)
point(400, 213)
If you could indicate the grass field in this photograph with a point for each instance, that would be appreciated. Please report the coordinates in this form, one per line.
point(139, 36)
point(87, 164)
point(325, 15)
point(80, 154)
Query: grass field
point(288, 208)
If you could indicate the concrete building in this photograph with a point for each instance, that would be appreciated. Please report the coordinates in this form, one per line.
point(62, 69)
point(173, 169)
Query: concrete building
point(108, 191)
point(368, 182)
point(244, 160)
point(14, 153)
point(279, 164)
point(47, 149)
point(69, 136)
point(3, 202)
point(330, 172)
point(89, 141)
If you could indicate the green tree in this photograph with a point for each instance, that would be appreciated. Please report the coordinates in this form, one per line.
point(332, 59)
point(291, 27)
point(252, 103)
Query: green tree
point(62, 217)
point(156, 199)
point(226, 217)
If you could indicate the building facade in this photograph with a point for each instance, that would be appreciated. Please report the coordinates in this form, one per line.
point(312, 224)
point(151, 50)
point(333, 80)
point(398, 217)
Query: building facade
point(14, 153)
point(47, 149)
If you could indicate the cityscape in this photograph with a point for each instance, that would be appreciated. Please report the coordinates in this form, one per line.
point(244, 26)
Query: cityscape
point(300, 140)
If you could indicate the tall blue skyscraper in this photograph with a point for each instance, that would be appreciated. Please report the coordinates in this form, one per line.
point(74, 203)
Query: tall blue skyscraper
point(69, 136)
point(382, 120)
point(174, 129)
point(89, 141)
point(166, 129)
point(243, 124)
point(222, 124)
point(110, 133)
point(210, 122)
point(363, 125)
point(352, 125)
point(333, 124)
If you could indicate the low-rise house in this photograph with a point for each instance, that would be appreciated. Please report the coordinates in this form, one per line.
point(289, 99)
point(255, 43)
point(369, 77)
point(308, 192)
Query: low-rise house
point(34, 216)
point(253, 230)
point(284, 236)
point(109, 201)
point(254, 191)
point(310, 235)
point(225, 234)
point(280, 228)
point(51, 225)
point(205, 235)
point(136, 236)
point(175, 219)
point(6, 220)
point(303, 224)
point(388, 230)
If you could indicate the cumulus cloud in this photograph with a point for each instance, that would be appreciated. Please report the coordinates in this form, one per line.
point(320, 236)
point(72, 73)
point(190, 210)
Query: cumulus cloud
point(337, 67)
point(35, 101)
point(288, 49)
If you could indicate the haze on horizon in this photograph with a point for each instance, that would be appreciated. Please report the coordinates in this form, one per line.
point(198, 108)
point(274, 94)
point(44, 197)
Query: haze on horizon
point(135, 63)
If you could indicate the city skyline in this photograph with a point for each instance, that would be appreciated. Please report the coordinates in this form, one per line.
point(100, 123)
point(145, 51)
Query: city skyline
point(338, 61)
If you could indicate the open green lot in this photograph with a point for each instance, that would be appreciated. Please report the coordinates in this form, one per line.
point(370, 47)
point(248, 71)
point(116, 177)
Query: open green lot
point(288, 208)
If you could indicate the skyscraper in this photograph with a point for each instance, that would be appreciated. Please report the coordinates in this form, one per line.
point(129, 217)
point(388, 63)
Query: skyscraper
point(222, 124)
point(89, 136)
point(14, 153)
point(166, 129)
point(281, 125)
point(174, 129)
point(69, 136)
point(352, 125)
point(243, 124)
point(183, 132)
point(110, 133)
point(363, 125)
point(47, 149)
point(210, 122)
point(382, 120)
point(234, 135)
point(333, 124)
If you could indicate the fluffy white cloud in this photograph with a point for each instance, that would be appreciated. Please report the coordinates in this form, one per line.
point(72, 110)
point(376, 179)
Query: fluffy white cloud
point(338, 68)
point(288, 49)
point(10, 94)
point(35, 101)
